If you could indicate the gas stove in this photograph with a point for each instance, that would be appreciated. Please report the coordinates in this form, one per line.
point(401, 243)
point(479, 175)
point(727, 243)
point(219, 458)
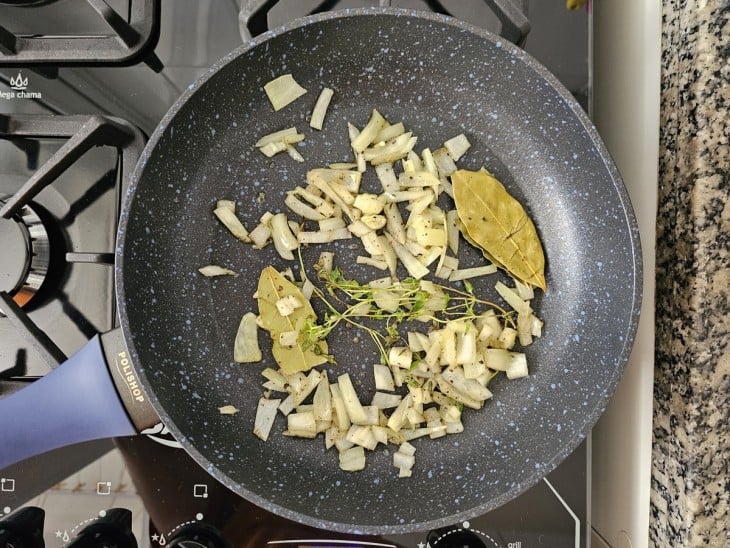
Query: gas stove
point(83, 82)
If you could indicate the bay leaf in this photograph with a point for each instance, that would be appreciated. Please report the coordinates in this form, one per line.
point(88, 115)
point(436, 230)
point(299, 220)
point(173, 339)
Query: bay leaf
point(499, 225)
point(486, 253)
point(272, 287)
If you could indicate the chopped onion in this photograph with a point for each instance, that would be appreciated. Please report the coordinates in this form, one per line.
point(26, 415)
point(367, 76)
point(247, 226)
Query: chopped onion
point(512, 298)
point(246, 344)
point(418, 179)
point(215, 270)
point(412, 163)
point(374, 222)
point(382, 400)
point(302, 425)
point(320, 108)
point(326, 261)
point(524, 291)
point(387, 177)
point(332, 223)
point(508, 337)
point(517, 367)
point(469, 387)
point(353, 459)
point(343, 444)
point(307, 288)
point(227, 410)
point(265, 415)
point(369, 204)
point(398, 418)
point(283, 90)
point(294, 153)
point(412, 265)
point(389, 256)
point(231, 222)
point(457, 146)
point(467, 273)
point(354, 408)
point(276, 378)
point(392, 151)
point(449, 390)
point(390, 131)
point(369, 132)
point(452, 230)
point(403, 460)
point(260, 236)
point(400, 356)
point(429, 163)
point(371, 243)
point(281, 234)
point(287, 136)
point(287, 405)
point(383, 377)
point(322, 402)
point(343, 165)
point(524, 328)
point(272, 149)
point(394, 223)
point(362, 435)
point(288, 338)
point(306, 387)
point(342, 419)
point(444, 163)
point(371, 261)
point(316, 179)
point(230, 204)
point(287, 304)
point(302, 209)
point(323, 236)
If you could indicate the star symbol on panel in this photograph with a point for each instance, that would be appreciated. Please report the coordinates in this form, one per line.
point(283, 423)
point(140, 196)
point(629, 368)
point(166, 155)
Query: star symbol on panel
point(155, 537)
point(59, 534)
point(421, 545)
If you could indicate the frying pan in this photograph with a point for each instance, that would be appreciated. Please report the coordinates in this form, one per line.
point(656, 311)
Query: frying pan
point(440, 77)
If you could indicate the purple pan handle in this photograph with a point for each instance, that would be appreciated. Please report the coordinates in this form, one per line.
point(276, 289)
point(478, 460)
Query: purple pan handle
point(81, 400)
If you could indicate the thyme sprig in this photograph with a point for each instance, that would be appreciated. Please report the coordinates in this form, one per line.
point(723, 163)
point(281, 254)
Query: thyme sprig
point(352, 302)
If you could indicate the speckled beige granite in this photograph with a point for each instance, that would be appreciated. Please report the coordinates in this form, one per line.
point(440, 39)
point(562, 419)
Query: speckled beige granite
point(691, 460)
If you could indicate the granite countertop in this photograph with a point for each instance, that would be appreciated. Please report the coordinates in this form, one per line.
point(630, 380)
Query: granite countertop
point(690, 488)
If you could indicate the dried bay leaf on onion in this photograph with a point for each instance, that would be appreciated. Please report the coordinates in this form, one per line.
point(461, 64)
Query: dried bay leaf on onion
point(271, 288)
point(499, 225)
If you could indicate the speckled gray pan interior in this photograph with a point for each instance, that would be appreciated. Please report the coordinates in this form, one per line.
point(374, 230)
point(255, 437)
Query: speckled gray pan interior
point(440, 77)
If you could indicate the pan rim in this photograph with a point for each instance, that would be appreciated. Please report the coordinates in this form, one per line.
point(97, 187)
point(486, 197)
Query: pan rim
point(636, 294)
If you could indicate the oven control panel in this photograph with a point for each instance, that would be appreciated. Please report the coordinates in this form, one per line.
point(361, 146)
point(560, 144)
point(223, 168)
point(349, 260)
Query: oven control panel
point(111, 528)
point(150, 494)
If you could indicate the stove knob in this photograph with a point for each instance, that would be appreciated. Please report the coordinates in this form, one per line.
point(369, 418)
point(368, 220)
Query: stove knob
point(23, 529)
point(455, 538)
point(198, 535)
point(113, 529)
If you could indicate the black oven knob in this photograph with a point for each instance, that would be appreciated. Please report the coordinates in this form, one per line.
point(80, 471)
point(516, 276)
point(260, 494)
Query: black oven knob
point(23, 529)
point(112, 529)
point(198, 535)
point(456, 538)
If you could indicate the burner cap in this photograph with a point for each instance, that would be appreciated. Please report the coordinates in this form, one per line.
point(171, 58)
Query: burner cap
point(15, 242)
point(25, 256)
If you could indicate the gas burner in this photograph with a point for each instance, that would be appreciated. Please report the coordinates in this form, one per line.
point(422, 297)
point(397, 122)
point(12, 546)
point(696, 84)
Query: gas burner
point(130, 35)
point(26, 255)
point(254, 15)
point(65, 209)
